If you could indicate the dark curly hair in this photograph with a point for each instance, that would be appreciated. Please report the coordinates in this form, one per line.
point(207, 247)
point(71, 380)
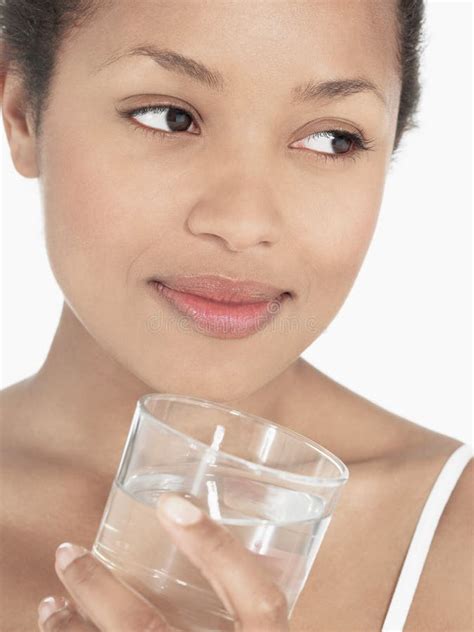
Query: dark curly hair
point(31, 32)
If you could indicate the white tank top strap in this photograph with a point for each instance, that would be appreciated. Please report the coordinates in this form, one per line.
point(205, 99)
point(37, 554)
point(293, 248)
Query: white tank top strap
point(420, 544)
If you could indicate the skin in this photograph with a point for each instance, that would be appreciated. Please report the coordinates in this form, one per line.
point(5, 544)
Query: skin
point(121, 215)
point(235, 200)
point(236, 575)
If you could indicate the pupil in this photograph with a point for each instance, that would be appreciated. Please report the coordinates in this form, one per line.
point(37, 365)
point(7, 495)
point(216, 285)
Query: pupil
point(341, 143)
point(178, 120)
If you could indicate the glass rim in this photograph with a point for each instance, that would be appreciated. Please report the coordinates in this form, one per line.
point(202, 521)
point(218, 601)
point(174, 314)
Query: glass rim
point(333, 481)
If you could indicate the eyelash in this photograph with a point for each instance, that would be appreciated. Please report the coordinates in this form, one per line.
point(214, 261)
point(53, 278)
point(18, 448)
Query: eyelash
point(360, 144)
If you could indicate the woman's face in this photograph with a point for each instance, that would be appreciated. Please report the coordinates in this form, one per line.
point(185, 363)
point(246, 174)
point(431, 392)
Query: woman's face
point(242, 191)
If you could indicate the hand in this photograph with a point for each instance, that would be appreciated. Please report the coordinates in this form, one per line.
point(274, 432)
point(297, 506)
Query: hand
point(101, 602)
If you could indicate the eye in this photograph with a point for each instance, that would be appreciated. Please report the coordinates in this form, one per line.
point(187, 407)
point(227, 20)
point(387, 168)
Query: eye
point(336, 143)
point(168, 120)
point(162, 118)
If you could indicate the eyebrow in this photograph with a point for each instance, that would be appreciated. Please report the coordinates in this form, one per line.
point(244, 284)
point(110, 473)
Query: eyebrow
point(177, 62)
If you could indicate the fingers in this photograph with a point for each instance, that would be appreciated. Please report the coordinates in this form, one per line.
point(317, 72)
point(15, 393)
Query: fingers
point(107, 602)
point(65, 619)
point(238, 577)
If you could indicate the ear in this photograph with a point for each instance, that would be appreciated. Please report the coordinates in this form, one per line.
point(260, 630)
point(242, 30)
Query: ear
point(18, 125)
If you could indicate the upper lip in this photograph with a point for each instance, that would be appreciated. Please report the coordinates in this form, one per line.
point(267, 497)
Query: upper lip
point(223, 289)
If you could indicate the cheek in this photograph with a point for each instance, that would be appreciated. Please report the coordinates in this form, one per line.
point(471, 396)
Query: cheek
point(334, 239)
point(100, 213)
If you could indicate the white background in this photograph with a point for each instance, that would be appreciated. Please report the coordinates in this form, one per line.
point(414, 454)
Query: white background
point(403, 337)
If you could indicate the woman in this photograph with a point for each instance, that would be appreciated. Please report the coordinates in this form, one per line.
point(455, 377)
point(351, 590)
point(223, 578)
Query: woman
point(249, 141)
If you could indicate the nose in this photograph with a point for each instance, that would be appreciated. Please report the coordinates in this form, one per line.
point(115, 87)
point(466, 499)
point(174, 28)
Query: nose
point(240, 212)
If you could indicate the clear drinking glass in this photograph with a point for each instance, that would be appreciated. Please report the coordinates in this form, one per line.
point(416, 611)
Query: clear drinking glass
point(274, 489)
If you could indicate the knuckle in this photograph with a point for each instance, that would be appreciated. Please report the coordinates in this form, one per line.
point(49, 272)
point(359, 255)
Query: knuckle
point(82, 570)
point(59, 621)
point(273, 605)
point(221, 541)
point(145, 621)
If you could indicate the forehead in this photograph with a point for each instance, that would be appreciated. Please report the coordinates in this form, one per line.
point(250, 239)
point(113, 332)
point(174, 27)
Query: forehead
point(250, 42)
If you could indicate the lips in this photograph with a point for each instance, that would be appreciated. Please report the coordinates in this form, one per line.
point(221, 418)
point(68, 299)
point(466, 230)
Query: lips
point(222, 289)
point(222, 308)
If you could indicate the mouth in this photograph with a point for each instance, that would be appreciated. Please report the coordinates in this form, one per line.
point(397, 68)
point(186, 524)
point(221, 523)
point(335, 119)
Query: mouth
point(222, 308)
point(223, 290)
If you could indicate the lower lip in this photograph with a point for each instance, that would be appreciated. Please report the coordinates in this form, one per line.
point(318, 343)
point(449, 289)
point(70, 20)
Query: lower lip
point(221, 320)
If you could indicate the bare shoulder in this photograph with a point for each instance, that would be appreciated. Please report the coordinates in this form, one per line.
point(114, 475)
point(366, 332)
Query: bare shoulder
point(15, 389)
point(14, 411)
point(361, 431)
point(443, 599)
point(14, 395)
point(27, 540)
point(393, 464)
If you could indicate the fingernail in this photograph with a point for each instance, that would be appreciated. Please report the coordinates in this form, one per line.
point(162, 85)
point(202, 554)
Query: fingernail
point(67, 552)
point(49, 606)
point(179, 510)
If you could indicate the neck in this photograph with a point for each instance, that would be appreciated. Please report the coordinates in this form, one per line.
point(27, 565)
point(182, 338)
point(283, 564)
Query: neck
point(82, 400)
